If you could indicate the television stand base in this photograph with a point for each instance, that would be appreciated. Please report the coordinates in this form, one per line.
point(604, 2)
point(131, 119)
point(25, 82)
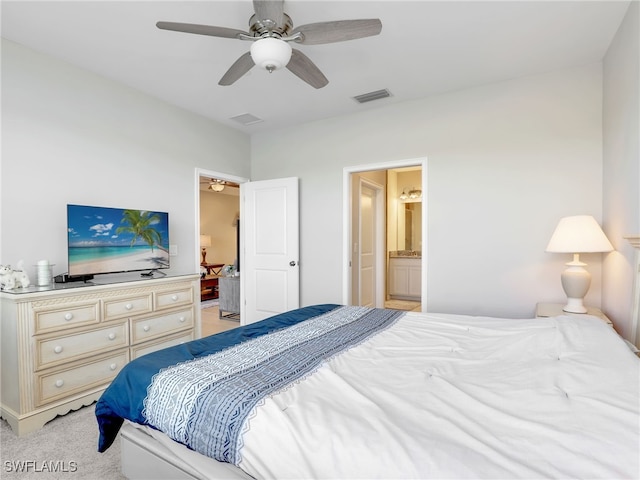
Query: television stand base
point(64, 278)
point(150, 273)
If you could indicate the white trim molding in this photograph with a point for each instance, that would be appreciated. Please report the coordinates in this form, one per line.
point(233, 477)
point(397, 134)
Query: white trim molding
point(634, 240)
point(346, 219)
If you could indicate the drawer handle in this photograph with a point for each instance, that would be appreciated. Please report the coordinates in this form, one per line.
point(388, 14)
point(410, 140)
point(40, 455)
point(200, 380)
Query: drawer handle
point(112, 336)
point(182, 319)
point(146, 328)
point(174, 297)
point(68, 316)
point(59, 383)
point(128, 306)
point(113, 366)
point(58, 349)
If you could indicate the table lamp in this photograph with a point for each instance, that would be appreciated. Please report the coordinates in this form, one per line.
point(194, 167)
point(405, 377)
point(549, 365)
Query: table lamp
point(205, 241)
point(577, 234)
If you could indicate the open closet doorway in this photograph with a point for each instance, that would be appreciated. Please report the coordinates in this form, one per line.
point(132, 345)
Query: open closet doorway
point(218, 237)
point(384, 225)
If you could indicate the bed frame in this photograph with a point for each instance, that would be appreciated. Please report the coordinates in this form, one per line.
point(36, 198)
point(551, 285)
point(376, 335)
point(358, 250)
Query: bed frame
point(143, 457)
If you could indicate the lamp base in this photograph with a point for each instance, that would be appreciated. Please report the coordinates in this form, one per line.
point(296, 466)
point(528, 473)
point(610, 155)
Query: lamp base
point(575, 282)
point(204, 256)
point(574, 305)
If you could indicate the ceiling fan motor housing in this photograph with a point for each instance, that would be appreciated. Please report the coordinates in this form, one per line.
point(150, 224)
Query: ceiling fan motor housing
point(260, 27)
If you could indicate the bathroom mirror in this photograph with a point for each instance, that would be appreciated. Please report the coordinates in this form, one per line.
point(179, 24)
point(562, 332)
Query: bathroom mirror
point(410, 226)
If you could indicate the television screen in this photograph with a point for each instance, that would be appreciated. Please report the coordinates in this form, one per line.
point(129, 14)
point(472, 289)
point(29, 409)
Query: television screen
point(114, 240)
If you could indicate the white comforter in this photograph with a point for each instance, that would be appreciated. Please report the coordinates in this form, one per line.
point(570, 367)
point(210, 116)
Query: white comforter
point(444, 396)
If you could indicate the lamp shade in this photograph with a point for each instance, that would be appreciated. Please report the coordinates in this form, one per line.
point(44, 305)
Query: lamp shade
point(578, 234)
point(271, 53)
point(205, 240)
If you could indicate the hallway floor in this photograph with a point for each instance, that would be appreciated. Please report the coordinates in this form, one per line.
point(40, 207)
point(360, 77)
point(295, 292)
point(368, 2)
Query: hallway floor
point(212, 323)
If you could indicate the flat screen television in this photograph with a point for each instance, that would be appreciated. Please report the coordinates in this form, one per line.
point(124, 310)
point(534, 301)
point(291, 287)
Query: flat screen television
point(115, 240)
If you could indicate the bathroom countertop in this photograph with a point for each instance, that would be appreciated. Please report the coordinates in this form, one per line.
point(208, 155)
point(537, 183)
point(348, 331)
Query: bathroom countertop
point(405, 254)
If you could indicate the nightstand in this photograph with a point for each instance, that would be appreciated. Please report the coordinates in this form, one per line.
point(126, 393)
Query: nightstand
point(555, 309)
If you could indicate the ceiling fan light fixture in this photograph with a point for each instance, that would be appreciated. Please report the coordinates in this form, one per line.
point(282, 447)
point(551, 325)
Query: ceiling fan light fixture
point(271, 53)
point(216, 185)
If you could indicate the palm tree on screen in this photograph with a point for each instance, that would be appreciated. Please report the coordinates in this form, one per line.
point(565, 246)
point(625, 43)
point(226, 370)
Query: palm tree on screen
point(139, 224)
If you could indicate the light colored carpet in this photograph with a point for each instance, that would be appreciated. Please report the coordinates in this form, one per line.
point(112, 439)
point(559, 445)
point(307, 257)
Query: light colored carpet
point(66, 447)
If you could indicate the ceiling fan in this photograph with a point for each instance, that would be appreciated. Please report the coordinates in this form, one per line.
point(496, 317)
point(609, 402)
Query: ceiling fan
point(216, 184)
point(271, 31)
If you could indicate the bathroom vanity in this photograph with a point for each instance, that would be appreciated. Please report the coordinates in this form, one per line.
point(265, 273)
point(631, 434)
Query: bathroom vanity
point(405, 275)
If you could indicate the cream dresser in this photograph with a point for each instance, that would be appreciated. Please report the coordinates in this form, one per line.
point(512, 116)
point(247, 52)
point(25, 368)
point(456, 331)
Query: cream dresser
point(61, 347)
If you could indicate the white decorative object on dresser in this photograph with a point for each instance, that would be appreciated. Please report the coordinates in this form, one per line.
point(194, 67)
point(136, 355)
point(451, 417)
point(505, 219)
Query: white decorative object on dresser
point(62, 346)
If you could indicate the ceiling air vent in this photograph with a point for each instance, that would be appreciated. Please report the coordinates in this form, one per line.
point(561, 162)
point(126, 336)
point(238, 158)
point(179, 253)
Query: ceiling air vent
point(371, 96)
point(247, 119)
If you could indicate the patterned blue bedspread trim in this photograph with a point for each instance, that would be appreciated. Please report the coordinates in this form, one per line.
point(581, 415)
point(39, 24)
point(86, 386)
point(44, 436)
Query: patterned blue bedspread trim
point(124, 397)
point(204, 403)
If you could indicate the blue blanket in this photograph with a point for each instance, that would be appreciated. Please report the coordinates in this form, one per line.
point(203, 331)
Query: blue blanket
point(124, 398)
point(205, 403)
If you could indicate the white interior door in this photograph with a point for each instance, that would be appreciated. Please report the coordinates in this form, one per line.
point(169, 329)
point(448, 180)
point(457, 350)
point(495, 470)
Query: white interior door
point(270, 275)
point(367, 250)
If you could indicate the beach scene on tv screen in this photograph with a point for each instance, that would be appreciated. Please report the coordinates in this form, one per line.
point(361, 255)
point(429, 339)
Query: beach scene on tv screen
point(109, 240)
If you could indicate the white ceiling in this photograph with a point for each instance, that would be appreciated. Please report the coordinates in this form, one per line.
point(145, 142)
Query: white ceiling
point(425, 48)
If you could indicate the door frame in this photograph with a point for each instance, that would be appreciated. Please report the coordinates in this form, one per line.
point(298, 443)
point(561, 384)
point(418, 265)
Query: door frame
point(347, 220)
point(201, 172)
point(379, 240)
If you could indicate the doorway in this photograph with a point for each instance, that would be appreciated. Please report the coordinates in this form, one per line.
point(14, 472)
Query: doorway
point(400, 275)
point(217, 224)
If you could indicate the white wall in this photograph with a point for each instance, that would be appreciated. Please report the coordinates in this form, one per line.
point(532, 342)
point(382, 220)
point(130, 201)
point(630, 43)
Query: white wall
point(622, 167)
point(505, 162)
point(502, 166)
point(69, 136)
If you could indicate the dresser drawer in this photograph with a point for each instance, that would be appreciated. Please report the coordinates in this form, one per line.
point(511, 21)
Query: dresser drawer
point(147, 328)
point(125, 307)
point(67, 381)
point(164, 342)
point(69, 316)
point(174, 298)
point(54, 350)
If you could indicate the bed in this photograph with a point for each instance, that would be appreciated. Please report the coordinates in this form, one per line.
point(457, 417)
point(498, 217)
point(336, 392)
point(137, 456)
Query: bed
point(330, 391)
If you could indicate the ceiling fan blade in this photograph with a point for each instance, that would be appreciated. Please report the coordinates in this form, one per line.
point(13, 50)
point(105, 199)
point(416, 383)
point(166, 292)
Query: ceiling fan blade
point(270, 10)
point(301, 66)
point(237, 70)
point(201, 29)
point(338, 31)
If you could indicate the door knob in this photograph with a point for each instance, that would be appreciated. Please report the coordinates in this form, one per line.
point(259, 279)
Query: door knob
point(292, 263)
